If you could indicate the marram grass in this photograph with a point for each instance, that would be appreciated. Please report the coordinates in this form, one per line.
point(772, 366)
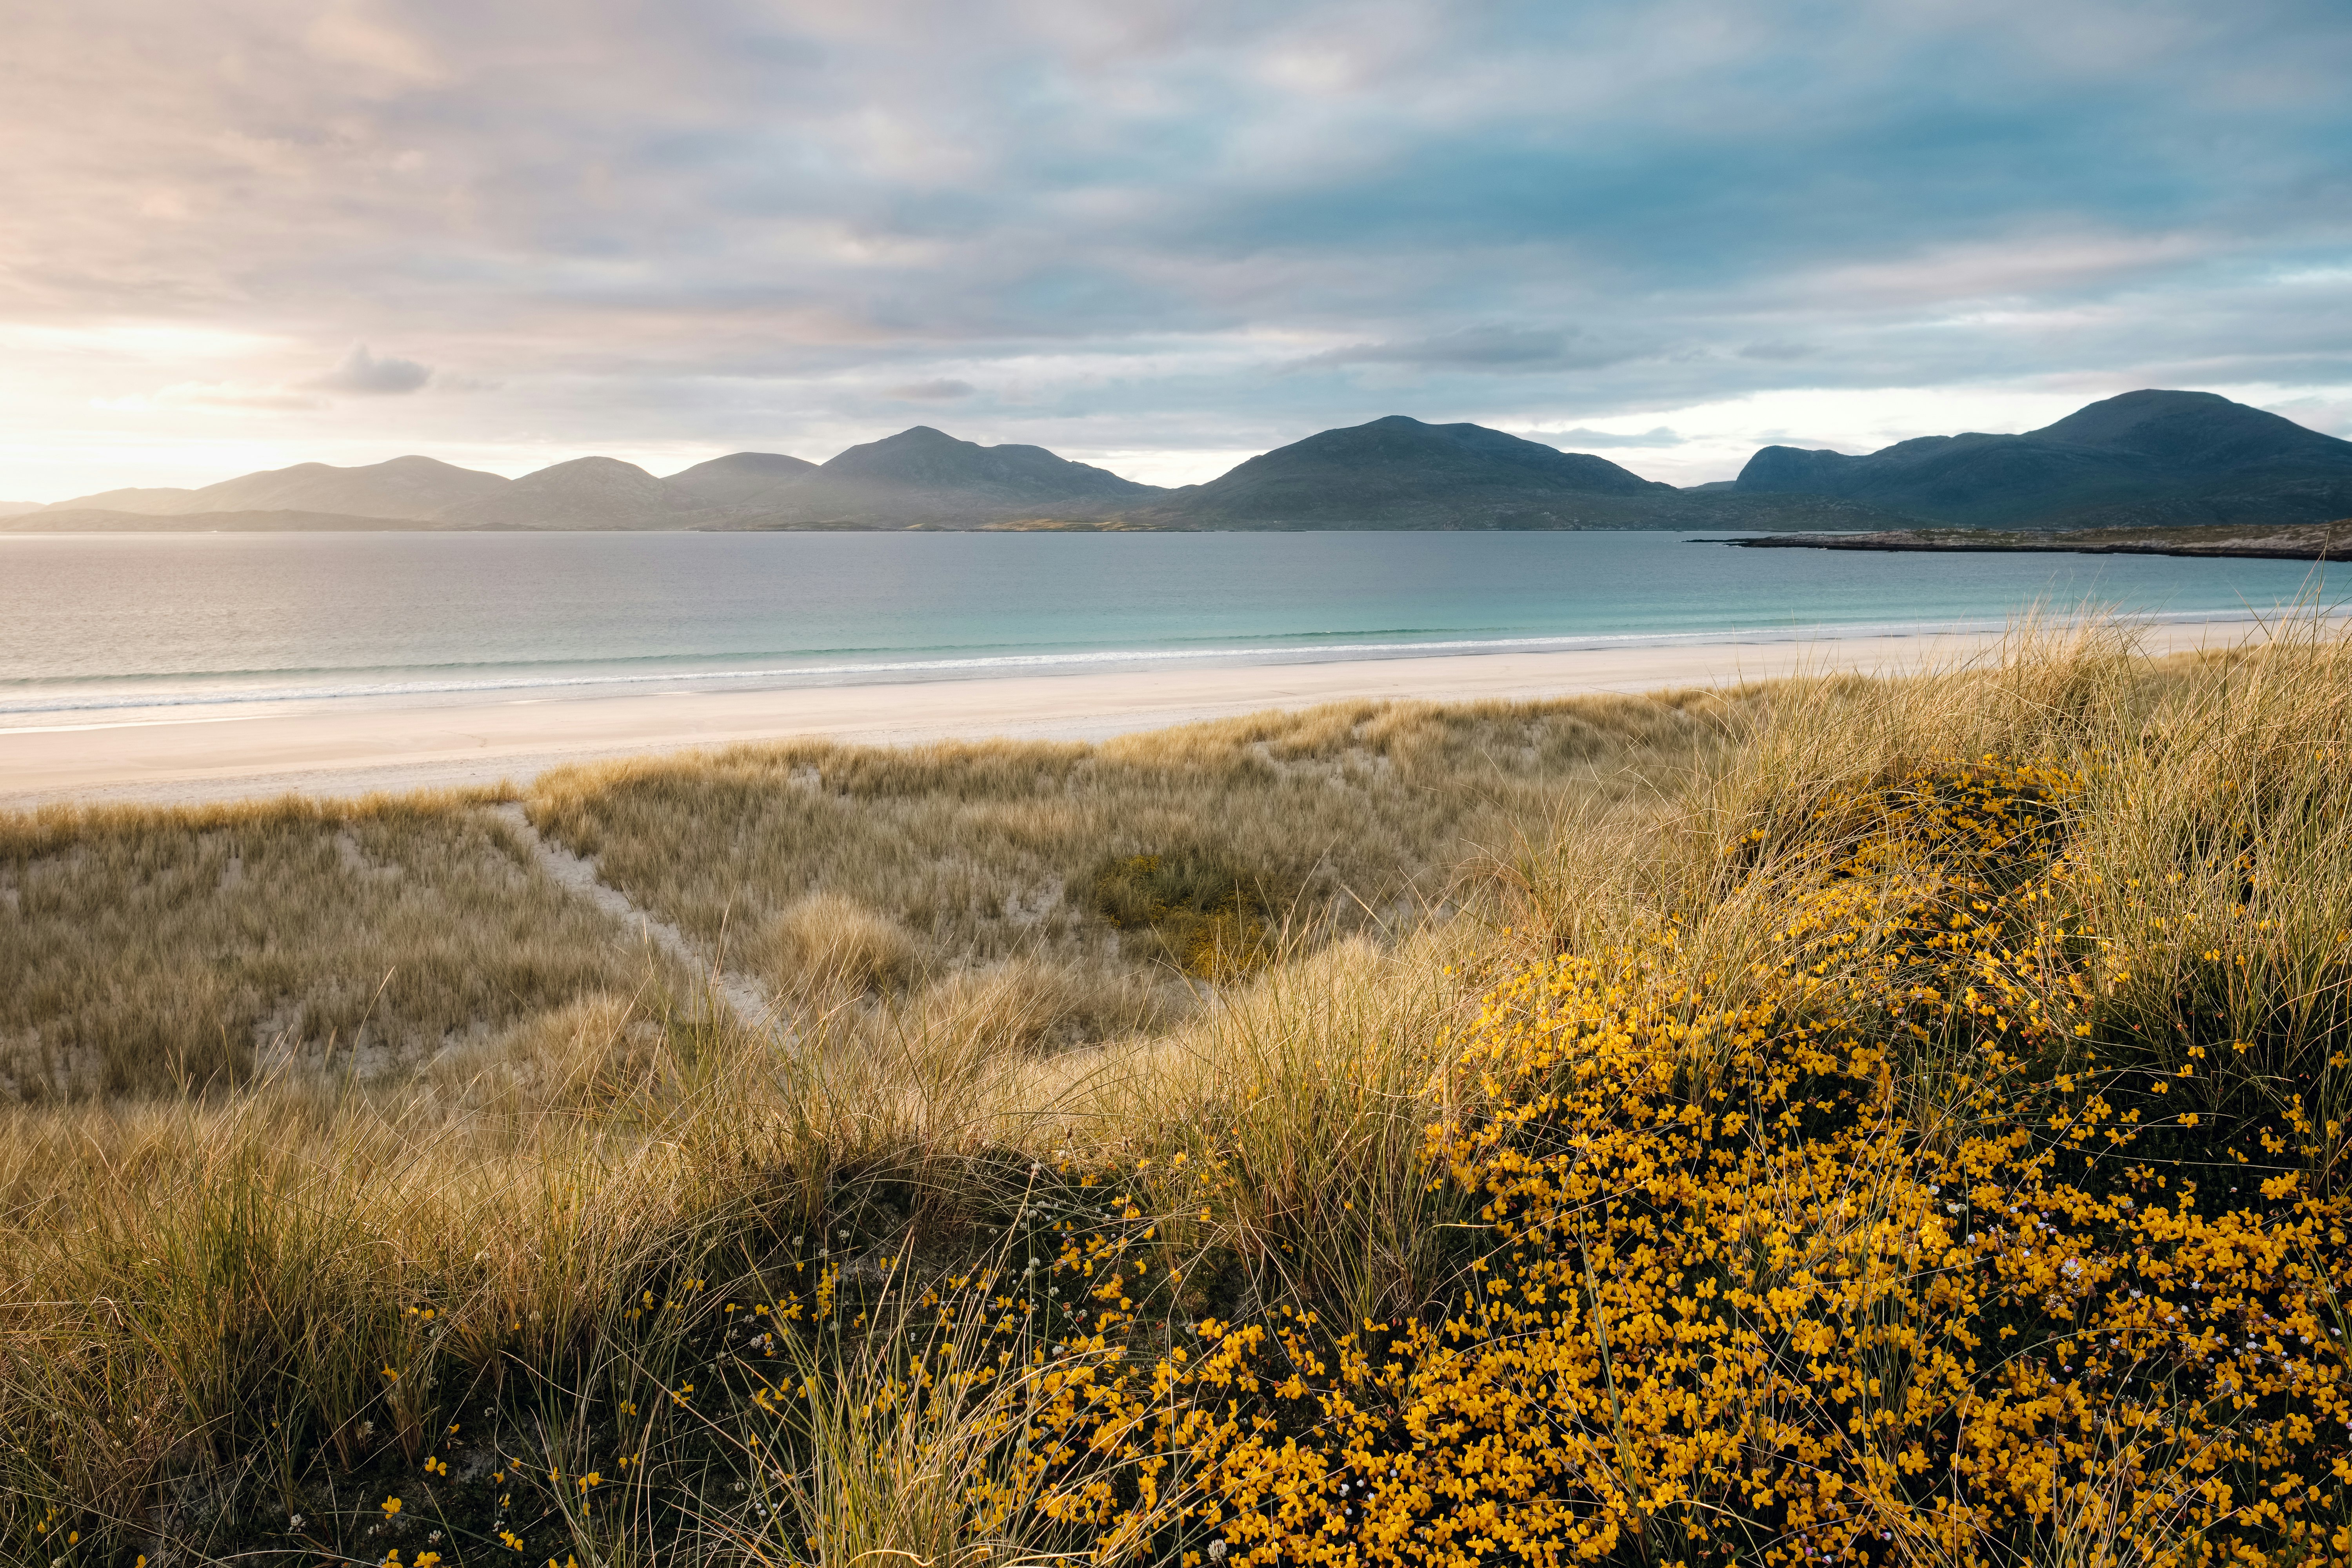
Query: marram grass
point(1916, 1135)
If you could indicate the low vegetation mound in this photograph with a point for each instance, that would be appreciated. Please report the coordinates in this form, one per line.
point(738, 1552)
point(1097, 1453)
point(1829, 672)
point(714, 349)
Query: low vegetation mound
point(1215, 918)
point(1881, 1254)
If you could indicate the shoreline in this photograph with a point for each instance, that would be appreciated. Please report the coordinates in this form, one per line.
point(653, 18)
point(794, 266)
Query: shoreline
point(329, 749)
point(2242, 541)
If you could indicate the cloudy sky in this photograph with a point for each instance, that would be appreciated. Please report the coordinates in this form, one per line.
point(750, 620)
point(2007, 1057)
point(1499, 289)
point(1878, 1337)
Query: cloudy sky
point(1158, 235)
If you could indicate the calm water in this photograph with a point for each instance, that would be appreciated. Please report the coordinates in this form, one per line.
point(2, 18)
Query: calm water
point(95, 623)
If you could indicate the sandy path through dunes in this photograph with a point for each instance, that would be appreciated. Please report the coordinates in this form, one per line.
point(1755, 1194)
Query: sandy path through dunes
point(578, 876)
point(351, 748)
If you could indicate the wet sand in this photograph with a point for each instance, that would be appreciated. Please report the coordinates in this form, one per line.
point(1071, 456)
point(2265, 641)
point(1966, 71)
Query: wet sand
point(346, 748)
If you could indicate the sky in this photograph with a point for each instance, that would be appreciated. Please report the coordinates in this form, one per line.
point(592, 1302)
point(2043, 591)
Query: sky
point(1155, 234)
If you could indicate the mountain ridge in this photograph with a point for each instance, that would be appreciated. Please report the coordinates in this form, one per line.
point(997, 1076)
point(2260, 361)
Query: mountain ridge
point(2150, 457)
point(583, 493)
point(922, 476)
point(409, 488)
point(100, 520)
point(1397, 471)
point(736, 477)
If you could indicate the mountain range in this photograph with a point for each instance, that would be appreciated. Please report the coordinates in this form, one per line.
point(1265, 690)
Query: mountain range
point(2145, 458)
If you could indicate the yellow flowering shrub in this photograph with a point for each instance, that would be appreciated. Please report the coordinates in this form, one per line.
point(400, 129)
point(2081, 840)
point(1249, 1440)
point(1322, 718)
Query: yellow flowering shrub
point(1861, 1260)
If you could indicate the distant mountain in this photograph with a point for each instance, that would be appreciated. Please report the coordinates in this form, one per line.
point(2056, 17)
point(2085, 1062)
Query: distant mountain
point(154, 502)
point(920, 477)
point(99, 520)
point(413, 489)
point(585, 494)
point(1398, 472)
point(2145, 458)
point(18, 508)
point(926, 460)
point(735, 479)
point(926, 477)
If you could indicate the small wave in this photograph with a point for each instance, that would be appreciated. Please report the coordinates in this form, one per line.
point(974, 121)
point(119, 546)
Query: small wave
point(981, 665)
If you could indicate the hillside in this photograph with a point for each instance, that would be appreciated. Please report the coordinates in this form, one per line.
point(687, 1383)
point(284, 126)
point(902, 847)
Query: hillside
point(924, 476)
point(1398, 472)
point(411, 490)
point(103, 520)
point(2145, 458)
point(585, 494)
point(735, 479)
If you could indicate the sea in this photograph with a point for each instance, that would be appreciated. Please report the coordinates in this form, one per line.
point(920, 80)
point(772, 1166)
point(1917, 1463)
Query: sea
point(99, 625)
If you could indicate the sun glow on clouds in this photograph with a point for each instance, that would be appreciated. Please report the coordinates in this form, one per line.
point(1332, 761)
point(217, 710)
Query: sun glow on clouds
point(1157, 238)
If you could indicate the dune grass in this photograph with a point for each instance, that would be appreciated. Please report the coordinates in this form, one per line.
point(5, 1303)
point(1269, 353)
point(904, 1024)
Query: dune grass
point(1121, 859)
point(160, 952)
point(924, 1270)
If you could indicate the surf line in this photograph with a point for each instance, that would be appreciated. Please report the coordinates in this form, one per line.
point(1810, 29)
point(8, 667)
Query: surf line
point(788, 675)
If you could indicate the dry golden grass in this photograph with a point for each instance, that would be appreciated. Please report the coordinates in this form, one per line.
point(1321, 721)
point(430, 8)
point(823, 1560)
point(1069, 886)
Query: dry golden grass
point(963, 1022)
point(162, 952)
point(1359, 813)
point(829, 942)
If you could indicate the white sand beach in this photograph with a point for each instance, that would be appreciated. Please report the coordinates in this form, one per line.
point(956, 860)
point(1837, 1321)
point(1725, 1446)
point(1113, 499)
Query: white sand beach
point(346, 748)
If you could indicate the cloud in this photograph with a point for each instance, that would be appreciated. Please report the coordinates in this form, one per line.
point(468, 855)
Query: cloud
point(1488, 348)
point(1178, 228)
point(218, 395)
point(2329, 417)
point(347, 34)
point(1584, 441)
point(937, 390)
point(361, 373)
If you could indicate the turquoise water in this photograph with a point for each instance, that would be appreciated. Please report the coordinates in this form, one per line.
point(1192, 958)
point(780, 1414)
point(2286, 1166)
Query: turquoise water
point(100, 622)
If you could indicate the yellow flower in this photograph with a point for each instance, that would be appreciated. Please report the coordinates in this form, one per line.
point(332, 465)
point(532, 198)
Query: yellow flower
point(391, 1506)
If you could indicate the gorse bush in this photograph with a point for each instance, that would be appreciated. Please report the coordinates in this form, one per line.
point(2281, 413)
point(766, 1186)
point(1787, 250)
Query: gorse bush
point(1874, 1268)
point(1915, 1137)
